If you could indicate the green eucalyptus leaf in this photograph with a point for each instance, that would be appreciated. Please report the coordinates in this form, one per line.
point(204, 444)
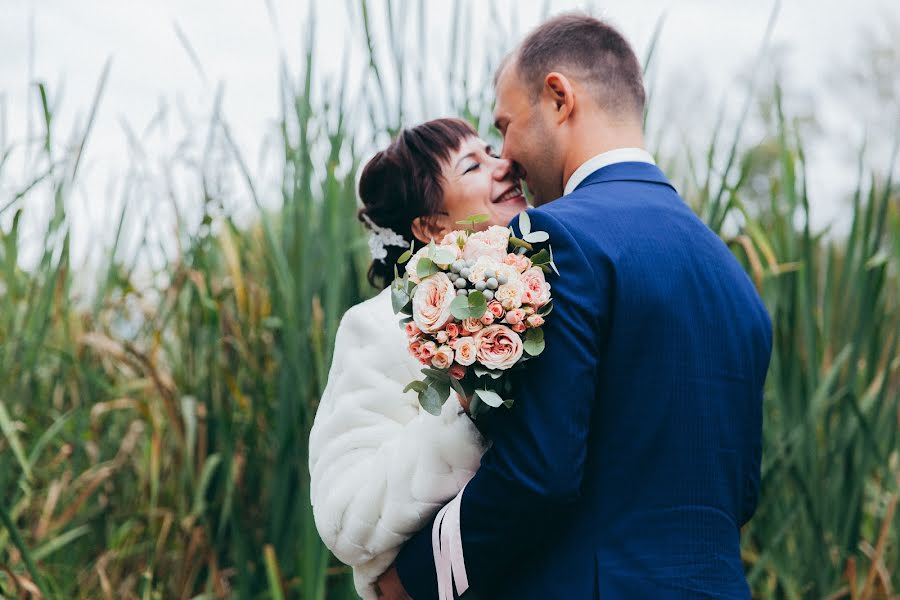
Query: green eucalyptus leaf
point(519, 243)
point(477, 304)
point(436, 374)
point(426, 267)
point(417, 386)
point(472, 306)
point(476, 407)
point(443, 256)
point(404, 257)
point(537, 236)
point(482, 371)
point(490, 398)
point(459, 308)
point(508, 402)
point(458, 387)
point(431, 401)
point(524, 224)
point(534, 341)
point(474, 219)
point(399, 297)
point(541, 258)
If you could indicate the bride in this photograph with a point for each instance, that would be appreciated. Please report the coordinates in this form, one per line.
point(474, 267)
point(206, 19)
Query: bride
point(381, 467)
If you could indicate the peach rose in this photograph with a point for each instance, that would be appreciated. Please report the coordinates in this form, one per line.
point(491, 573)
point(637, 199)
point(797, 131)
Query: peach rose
point(412, 330)
point(457, 371)
point(443, 358)
point(472, 325)
point(431, 303)
point(487, 319)
point(442, 337)
point(535, 321)
point(520, 262)
point(492, 242)
point(466, 351)
point(414, 348)
point(498, 347)
point(519, 327)
point(452, 330)
point(537, 290)
point(495, 308)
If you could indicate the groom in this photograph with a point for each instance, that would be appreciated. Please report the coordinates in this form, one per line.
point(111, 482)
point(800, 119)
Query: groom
point(631, 457)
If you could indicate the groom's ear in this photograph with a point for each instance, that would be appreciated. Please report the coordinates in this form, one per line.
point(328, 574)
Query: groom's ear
point(562, 94)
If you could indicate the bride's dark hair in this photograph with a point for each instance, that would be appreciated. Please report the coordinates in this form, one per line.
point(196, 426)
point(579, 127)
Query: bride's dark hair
point(403, 182)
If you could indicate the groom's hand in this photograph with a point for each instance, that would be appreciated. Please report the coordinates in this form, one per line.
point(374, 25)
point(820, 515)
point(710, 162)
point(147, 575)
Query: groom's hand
point(389, 586)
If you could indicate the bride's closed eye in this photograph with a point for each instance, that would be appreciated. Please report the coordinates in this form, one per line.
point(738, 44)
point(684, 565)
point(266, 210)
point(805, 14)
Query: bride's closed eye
point(474, 167)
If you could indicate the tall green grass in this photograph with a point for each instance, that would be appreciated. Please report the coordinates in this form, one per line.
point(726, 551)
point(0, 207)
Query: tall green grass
point(153, 441)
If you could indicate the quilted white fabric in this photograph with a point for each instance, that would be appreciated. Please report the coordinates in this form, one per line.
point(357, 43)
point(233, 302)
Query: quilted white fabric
point(381, 466)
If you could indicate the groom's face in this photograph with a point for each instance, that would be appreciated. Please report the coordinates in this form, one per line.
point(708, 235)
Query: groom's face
point(528, 139)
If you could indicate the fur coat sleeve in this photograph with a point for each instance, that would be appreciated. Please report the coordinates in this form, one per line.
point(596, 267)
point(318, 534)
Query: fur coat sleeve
point(381, 467)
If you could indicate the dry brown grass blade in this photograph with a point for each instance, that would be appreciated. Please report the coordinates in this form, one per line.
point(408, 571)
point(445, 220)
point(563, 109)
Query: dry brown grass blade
point(53, 493)
point(869, 587)
point(103, 577)
point(756, 267)
point(127, 354)
point(90, 480)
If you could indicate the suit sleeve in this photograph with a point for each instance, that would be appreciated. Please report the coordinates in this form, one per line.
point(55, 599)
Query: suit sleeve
point(535, 466)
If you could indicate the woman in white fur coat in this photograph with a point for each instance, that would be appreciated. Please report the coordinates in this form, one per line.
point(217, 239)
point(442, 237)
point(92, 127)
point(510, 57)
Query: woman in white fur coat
point(381, 466)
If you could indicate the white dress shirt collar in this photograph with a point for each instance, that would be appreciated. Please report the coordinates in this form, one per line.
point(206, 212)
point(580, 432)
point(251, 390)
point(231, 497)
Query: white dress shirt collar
point(604, 160)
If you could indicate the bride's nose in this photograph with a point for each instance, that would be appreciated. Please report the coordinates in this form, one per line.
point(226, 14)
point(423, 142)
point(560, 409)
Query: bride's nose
point(503, 169)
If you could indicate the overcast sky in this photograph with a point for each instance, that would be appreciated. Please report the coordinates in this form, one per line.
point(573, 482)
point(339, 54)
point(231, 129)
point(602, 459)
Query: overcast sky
point(706, 44)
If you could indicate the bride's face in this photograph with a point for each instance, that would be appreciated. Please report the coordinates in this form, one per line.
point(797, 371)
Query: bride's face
point(478, 181)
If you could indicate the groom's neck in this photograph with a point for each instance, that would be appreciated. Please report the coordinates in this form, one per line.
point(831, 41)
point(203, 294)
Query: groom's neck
point(598, 137)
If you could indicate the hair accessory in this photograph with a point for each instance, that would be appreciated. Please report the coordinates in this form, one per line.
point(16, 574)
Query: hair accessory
point(379, 237)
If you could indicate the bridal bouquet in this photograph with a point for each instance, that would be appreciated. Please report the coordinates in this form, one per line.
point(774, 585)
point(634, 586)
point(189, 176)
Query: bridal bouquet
point(473, 306)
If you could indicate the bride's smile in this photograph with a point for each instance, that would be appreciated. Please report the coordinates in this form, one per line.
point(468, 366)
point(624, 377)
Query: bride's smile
point(478, 181)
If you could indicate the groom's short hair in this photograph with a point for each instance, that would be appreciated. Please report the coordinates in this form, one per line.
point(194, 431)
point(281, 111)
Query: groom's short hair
point(588, 50)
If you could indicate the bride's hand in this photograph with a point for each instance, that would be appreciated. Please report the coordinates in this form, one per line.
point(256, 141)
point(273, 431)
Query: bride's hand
point(389, 586)
point(464, 402)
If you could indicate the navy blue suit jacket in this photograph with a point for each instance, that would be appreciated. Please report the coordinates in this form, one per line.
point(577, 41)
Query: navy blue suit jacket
point(631, 457)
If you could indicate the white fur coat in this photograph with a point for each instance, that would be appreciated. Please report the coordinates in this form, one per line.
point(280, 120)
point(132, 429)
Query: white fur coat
point(381, 466)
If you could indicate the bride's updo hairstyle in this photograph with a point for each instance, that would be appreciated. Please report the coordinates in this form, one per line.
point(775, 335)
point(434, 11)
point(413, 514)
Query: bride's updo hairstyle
point(403, 182)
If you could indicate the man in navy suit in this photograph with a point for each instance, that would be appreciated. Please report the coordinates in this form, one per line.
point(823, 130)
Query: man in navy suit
point(631, 457)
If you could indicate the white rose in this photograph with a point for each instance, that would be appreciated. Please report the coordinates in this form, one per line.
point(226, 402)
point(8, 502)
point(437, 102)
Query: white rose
point(492, 242)
point(510, 295)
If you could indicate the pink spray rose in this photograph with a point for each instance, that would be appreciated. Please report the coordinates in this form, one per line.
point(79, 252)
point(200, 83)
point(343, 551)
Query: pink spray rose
point(537, 290)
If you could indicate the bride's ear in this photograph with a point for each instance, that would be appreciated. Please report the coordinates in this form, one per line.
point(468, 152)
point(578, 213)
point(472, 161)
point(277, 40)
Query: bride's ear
point(425, 229)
